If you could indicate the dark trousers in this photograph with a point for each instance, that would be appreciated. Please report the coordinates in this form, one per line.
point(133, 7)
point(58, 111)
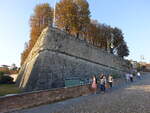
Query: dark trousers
point(110, 84)
point(131, 79)
point(102, 87)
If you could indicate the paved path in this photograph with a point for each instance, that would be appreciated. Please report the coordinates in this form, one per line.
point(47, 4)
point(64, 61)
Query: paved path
point(131, 98)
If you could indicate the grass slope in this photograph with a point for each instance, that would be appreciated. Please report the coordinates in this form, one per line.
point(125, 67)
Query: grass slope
point(8, 89)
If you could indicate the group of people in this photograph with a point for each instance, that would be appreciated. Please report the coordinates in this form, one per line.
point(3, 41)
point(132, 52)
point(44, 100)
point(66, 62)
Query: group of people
point(102, 82)
point(129, 76)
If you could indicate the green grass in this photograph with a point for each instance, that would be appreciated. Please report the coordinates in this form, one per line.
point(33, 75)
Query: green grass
point(8, 89)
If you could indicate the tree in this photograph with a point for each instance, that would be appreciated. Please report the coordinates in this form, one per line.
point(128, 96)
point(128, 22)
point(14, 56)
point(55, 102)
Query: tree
point(98, 34)
point(72, 16)
point(92, 33)
point(66, 12)
point(42, 17)
point(123, 50)
point(104, 36)
point(13, 67)
point(6, 79)
point(118, 38)
point(83, 16)
point(1, 73)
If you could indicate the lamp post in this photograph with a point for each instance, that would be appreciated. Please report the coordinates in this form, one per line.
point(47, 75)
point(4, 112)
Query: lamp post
point(112, 41)
point(142, 58)
point(110, 44)
point(54, 14)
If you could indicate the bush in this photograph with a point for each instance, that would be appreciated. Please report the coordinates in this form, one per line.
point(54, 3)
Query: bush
point(1, 73)
point(6, 79)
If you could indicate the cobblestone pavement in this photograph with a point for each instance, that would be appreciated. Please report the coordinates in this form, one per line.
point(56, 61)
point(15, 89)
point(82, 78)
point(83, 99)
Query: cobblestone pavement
point(129, 98)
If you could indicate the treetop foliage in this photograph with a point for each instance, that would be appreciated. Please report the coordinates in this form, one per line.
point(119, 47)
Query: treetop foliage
point(41, 18)
point(73, 16)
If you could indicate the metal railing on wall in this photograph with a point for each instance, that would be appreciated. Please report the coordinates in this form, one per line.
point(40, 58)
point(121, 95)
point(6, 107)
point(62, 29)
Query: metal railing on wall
point(76, 81)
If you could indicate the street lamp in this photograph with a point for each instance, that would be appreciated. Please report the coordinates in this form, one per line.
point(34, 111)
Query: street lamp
point(110, 44)
point(112, 41)
point(142, 58)
point(54, 14)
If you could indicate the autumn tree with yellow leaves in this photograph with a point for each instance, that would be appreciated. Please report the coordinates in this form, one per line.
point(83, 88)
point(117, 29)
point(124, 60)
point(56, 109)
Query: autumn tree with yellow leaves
point(41, 18)
point(72, 16)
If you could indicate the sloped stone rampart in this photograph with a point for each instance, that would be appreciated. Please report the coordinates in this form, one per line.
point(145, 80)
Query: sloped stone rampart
point(57, 56)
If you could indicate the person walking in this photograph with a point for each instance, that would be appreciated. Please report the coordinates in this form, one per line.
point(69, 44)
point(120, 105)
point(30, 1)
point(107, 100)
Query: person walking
point(138, 75)
point(131, 77)
point(110, 81)
point(102, 82)
point(94, 84)
point(127, 75)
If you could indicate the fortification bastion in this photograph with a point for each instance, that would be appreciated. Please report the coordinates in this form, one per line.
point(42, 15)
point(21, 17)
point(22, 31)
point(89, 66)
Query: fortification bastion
point(57, 56)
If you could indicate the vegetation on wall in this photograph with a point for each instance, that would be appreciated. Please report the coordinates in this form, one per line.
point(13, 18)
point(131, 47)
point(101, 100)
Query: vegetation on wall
point(41, 18)
point(73, 16)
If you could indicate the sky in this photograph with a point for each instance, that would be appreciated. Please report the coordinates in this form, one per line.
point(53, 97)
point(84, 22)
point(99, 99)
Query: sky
point(131, 16)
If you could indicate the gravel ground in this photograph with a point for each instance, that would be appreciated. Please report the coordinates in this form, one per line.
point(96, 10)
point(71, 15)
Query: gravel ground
point(129, 98)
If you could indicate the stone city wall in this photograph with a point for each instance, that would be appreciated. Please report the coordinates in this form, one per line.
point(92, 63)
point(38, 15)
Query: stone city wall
point(57, 56)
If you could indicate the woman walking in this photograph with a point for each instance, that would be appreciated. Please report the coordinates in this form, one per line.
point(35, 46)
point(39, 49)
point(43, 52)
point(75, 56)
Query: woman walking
point(102, 82)
point(94, 84)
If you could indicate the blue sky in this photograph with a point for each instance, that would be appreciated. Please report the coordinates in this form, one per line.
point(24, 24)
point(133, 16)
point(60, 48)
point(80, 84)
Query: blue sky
point(132, 16)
